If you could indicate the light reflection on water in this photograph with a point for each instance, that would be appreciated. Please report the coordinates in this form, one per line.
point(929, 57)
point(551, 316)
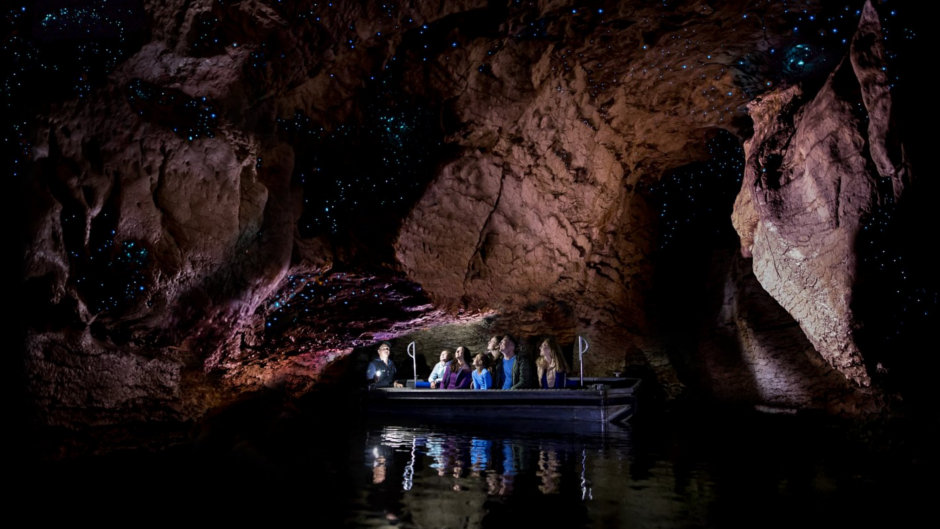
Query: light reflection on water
point(743, 472)
point(425, 477)
point(685, 470)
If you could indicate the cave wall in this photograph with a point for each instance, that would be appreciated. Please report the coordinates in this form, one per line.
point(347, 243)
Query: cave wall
point(752, 352)
point(817, 166)
point(185, 246)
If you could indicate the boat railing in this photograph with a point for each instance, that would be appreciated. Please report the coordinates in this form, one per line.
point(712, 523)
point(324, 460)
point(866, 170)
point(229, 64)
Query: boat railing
point(414, 361)
point(582, 348)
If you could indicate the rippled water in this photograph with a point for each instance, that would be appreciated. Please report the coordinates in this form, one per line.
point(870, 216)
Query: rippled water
point(676, 472)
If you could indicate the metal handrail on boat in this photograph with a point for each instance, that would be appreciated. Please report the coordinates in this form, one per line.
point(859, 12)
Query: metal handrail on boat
point(582, 348)
point(414, 360)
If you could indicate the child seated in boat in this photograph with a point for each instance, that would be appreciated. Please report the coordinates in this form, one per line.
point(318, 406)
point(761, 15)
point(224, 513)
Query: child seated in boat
point(458, 375)
point(551, 368)
point(481, 374)
point(437, 374)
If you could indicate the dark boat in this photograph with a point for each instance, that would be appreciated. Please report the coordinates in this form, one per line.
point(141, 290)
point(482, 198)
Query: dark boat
point(600, 401)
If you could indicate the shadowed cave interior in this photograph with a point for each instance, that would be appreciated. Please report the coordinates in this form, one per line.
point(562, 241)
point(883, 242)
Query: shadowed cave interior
point(222, 204)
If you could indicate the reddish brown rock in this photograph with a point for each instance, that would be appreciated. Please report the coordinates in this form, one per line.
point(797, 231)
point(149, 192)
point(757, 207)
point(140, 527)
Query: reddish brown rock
point(546, 210)
point(813, 168)
point(754, 353)
point(558, 124)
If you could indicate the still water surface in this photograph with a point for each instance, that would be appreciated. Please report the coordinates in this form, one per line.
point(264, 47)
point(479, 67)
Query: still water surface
point(762, 475)
point(681, 471)
point(433, 477)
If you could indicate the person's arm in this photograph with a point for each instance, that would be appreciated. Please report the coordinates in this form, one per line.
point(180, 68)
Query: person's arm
point(526, 376)
point(517, 370)
point(395, 383)
point(436, 372)
point(370, 372)
point(444, 378)
point(487, 379)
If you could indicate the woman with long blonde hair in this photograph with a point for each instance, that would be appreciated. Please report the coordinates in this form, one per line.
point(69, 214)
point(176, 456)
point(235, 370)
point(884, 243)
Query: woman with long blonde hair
point(551, 367)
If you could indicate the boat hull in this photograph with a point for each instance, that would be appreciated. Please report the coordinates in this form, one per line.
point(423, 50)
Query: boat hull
point(596, 404)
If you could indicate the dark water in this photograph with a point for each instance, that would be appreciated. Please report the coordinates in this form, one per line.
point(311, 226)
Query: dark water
point(678, 471)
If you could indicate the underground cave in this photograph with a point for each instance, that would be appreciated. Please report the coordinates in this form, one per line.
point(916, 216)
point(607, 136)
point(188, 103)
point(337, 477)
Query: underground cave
point(225, 206)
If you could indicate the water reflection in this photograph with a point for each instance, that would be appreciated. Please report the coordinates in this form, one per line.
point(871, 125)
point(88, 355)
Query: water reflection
point(443, 478)
point(549, 471)
point(586, 493)
point(684, 472)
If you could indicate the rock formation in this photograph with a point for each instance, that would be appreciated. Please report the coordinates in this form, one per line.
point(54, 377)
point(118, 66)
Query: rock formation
point(251, 192)
point(816, 167)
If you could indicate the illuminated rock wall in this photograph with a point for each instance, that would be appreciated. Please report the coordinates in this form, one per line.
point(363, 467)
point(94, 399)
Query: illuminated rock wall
point(816, 168)
point(228, 197)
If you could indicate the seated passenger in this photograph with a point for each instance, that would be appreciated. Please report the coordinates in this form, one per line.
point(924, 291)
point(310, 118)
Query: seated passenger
point(481, 375)
point(495, 362)
point(518, 368)
point(551, 366)
point(458, 375)
point(447, 358)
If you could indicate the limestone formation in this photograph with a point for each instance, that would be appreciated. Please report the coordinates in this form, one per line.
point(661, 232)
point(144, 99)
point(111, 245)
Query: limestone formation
point(814, 170)
point(240, 204)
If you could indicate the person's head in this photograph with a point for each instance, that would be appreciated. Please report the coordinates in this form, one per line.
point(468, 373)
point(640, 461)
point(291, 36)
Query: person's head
point(492, 346)
point(447, 355)
point(479, 361)
point(550, 355)
point(462, 355)
point(385, 349)
point(507, 346)
point(545, 350)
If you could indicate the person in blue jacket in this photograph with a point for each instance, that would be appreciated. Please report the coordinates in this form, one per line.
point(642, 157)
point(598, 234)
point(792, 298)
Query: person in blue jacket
point(551, 368)
point(482, 379)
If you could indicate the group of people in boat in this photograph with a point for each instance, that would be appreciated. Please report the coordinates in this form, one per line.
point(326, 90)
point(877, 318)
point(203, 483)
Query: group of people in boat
point(500, 367)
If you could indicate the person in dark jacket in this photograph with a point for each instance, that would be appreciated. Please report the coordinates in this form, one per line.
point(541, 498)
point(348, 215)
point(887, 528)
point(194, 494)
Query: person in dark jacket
point(521, 373)
point(495, 363)
point(381, 371)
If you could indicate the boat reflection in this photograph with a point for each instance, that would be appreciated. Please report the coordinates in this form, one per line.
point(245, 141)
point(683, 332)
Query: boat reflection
point(549, 471)
point(460, 478)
